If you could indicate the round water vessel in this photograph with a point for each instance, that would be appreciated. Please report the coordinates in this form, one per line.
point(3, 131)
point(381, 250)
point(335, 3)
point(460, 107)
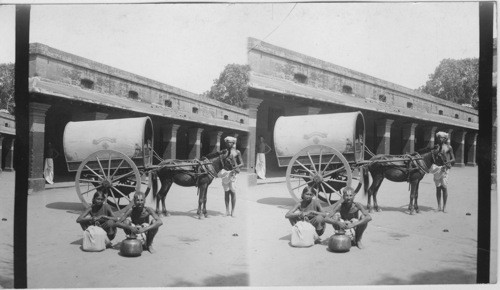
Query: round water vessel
point(339, 243)
point(131, 247)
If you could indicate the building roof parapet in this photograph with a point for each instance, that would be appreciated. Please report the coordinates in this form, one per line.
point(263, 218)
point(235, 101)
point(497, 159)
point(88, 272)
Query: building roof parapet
point(256, 44)
point(75, 93)
point(285, 87)
point(42, 49)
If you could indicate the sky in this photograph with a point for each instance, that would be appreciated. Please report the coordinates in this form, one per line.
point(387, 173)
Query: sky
point(188, 45)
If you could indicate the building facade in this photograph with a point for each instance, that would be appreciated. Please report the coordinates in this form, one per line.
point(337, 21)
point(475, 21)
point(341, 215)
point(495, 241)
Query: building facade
point(65, 87)
point(398, 120)
point(7, 136)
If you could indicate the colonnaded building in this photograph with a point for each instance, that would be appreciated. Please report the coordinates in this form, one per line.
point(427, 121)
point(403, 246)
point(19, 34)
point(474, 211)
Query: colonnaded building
point(65, 87)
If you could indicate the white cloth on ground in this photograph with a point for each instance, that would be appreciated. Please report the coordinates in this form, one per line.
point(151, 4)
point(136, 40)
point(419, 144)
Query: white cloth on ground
point(303, 234)
point(95, 239)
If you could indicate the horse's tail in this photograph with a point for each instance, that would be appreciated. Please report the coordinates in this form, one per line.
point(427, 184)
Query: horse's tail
point(154, 183)
point(366, 178)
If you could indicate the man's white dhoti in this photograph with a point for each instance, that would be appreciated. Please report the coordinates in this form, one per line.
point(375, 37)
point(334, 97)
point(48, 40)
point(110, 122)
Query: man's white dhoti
point(48, 171)
point(260, 165)
point(228, 179)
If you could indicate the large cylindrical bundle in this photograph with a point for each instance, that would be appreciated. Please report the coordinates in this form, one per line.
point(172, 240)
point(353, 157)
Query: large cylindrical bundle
point(344, 132)
point(129, 136)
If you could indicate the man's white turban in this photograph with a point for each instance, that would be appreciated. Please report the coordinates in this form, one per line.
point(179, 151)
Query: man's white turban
point(230, 139)
point(442, 134)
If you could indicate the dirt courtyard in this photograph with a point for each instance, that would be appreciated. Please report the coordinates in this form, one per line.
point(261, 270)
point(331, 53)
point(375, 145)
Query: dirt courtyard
point(252, 249)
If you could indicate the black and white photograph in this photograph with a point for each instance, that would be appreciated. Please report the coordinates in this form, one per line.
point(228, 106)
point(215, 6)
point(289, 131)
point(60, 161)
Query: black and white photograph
point(269, 144)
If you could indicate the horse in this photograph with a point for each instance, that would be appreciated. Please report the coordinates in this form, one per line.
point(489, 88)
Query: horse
point(199, 174)
point(410, 168)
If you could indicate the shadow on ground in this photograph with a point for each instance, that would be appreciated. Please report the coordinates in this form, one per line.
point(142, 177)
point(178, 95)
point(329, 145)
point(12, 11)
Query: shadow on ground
point(279, 201)
point(74, 207)
point(240, 279)
point(404, 208)
point(448, 276)
point(192, 213)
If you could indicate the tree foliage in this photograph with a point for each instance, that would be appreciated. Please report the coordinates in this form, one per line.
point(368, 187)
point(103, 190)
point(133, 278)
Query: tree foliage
point(7, 87)
point(232, 86)
point(455, 80)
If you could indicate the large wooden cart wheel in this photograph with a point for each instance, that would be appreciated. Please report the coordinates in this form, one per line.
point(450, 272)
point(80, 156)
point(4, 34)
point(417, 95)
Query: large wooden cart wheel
point(111, 171)
point(323, 168)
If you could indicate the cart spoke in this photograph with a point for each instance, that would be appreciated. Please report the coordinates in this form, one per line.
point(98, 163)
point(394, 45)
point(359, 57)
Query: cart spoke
point(303, 166)
point(109, 165)
point(121, 193)
point(320, 157)
point(333, 189)
point(118, 167)
point(124, 185)
point(329, 161)
point(100, 166)
point(96, 174)
point(88, 180)
point(333, 171)
point(117, 203)
point(322, 187)
point(300, 176)
point(312, 163)
point(122, 176)
point(95, 188)
point(300, 185)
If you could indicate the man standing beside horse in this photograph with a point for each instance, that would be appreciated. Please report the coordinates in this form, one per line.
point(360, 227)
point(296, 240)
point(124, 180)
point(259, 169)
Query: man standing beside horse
point(441, 172)
point(233, 162)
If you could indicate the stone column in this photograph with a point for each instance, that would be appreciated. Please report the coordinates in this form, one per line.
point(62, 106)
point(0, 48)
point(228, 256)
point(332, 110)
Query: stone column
point(170, 141)
point(37, 112)
point(253, 108)
point(384, 136)
point(471, 154)
point(409, 137)
point(459, 139)
point(194, 142)
point(9, 158)
point(214, 141)
point(429, 135)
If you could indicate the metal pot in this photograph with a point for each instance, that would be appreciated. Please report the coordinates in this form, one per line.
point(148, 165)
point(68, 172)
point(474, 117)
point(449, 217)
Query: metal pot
point(339, 243)
point(131, 247)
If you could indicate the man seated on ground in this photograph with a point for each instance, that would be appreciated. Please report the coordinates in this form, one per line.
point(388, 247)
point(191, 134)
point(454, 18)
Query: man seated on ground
point(141, 221)
point(99, 214)
point(308, 209)
point(349, 216)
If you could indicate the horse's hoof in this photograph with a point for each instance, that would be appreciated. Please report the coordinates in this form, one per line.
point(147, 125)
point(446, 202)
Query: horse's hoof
point(378, 209)
point(206, 215)
point(418, 211)
point(412, 212)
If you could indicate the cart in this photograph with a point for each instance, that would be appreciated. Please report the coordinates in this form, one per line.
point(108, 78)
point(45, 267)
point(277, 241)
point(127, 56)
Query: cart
point(111, 155)
point(321, 151)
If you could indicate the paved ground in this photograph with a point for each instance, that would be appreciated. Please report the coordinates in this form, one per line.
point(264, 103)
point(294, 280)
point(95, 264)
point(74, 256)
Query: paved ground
point(253, 248)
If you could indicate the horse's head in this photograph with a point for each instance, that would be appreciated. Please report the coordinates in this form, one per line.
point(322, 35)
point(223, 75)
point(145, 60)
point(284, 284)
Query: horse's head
point(438, 157)
point(217, 161)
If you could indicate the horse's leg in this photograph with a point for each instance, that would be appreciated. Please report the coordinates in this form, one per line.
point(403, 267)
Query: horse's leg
point(200, 202)
point(412, 197)
point(163, 195)
point(204, 191)
point(416, 197)
point(377, 181)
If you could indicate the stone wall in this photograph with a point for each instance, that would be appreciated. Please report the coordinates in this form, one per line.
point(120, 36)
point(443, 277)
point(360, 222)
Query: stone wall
point(280, 63)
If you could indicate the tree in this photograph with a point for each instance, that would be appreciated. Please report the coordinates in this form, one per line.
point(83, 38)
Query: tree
point(455, 80)
point(232, 86)
point(7, 87)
